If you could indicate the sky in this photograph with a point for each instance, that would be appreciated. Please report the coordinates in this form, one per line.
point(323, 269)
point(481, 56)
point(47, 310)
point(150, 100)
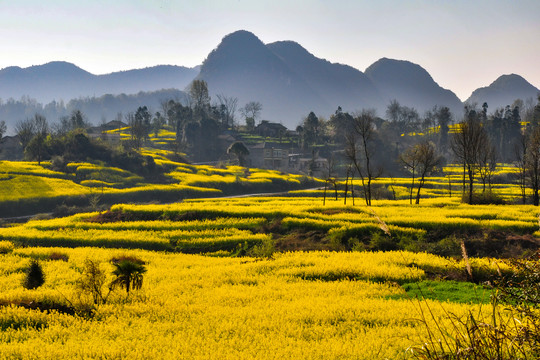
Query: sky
point(463, 44)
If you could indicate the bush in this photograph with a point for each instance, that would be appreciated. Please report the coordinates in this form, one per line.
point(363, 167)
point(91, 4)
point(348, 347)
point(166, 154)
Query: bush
point(92, 281)
point(487, 198)
point(34, 276)
point(263, 250)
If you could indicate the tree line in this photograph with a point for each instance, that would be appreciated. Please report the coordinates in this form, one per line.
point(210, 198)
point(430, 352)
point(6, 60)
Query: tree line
point(359, 144)
point(404, 143)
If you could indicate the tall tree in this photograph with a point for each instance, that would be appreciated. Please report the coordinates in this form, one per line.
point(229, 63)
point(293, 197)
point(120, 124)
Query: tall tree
point(36, 147)
point(359, 150)
point(410, 159)
point(70, 123)
point(139, 125)
point(403, 118)
point(158, 121)
point(428, 160)
point(200, 98)
point(26, 130)
point(443, 118)
point(311, 129)
point(487, 164)
point(467, 144)
point(228, 106)
point(520, 154)
point(341, 123)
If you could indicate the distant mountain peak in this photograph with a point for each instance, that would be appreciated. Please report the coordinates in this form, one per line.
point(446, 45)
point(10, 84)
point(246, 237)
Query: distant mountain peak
point(240, 35)
point(240, 39)
point(411, 85)
point(503, 91)
point(238, 51)
point(390, 69)
point(510, 80)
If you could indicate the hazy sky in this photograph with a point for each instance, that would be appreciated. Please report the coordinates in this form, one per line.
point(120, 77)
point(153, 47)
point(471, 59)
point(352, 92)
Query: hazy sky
point(463, 44)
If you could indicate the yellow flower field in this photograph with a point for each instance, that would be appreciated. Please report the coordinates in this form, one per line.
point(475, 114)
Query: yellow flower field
point(231, 308)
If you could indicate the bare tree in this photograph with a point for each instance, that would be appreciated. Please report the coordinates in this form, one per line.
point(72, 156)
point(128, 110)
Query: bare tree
point(359, 151)
point(487, 164)
point(422, 158)
point(330, 177)
point(252, 110)
point(36, 147)
point(467, 144)
point(26, 130)
point(428, 160)
point(228, 107)
point(410, 159)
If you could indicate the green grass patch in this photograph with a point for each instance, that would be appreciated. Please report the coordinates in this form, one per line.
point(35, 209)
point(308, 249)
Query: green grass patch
point(452, 291)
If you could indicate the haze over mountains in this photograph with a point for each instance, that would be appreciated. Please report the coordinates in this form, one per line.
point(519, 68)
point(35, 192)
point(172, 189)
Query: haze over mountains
point(287, 79)
point(61, 80)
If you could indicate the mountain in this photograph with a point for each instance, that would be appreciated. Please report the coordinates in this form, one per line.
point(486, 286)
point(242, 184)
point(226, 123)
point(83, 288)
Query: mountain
point(340, 85)
point(504, 91)
point(64, 81)
point(411, 85)
point(290, 82)
point(283, 76)
point(244, 67)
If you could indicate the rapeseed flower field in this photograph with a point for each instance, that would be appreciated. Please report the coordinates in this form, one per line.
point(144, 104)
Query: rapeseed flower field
point(193, 306)
point(221, 281)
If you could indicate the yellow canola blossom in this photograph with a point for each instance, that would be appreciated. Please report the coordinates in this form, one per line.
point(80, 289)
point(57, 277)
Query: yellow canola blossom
point(229, 308)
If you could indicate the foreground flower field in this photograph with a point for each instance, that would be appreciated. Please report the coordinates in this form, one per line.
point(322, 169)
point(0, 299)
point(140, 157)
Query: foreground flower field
point(193, 306)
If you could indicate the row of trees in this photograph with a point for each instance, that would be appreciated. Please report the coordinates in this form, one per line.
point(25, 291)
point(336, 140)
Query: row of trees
point(476, 142)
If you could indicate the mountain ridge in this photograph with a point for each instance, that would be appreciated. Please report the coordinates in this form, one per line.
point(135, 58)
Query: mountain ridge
point(285, 77)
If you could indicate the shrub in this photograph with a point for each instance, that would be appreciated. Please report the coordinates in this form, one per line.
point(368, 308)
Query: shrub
point(92, 281)
point(34, 276)
point(263, 250)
